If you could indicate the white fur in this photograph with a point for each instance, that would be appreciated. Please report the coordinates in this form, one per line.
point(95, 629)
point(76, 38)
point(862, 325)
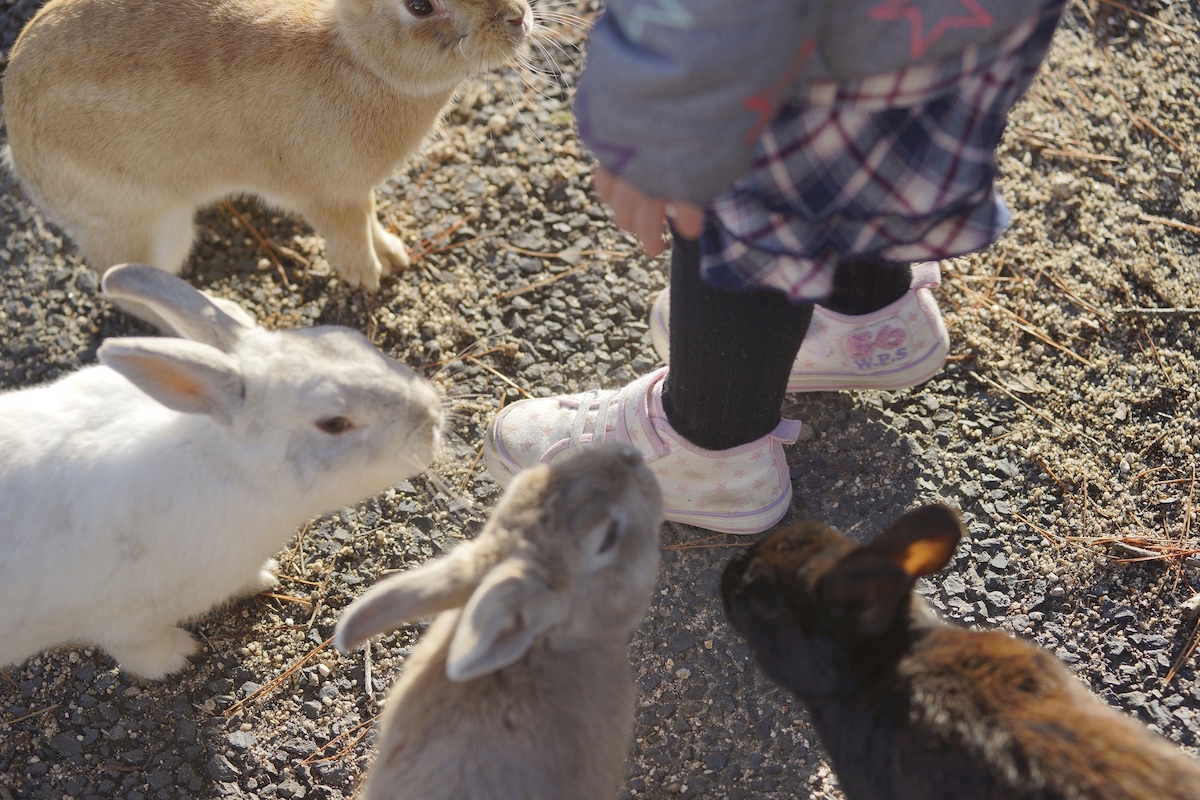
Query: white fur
point(522, 686)
point(121, 516)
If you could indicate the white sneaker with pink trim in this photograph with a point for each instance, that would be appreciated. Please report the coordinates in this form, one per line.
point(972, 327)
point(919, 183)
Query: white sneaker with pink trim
point(743, 490)
point(900, 345)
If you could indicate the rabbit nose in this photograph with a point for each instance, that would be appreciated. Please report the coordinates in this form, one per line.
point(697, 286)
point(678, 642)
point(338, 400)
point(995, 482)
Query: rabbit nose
point(518, 22)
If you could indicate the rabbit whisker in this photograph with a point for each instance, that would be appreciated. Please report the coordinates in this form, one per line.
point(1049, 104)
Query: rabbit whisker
point(555, 70)
point(525, 122)
point(557, 42)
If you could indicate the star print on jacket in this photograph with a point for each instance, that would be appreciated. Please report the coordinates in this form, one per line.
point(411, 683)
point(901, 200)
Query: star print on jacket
point(766, 103)
point(923, 32)
point(663, 13)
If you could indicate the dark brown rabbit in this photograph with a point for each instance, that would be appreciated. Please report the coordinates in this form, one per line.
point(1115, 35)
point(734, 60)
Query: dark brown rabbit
point(911, 708)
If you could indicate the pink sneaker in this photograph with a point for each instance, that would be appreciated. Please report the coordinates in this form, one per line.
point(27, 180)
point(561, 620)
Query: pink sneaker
point(900, 345)
point(743, 490)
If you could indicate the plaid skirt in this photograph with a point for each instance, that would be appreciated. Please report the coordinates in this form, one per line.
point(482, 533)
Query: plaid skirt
point(897, 167)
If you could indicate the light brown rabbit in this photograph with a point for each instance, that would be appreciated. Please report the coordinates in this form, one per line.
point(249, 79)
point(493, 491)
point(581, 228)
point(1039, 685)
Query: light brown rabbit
point(125, 117)
point(522, 688)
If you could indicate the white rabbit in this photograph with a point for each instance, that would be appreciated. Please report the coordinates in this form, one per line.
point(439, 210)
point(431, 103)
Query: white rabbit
point(522, 688)
point(124, 117)
point(143, 491)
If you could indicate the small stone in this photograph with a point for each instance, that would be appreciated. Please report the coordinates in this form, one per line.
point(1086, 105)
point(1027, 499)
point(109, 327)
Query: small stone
point(241, 740)
point(66, 744)
point(159, 779)
point(220, 769)
point(998, 600)
point(298, 747)
point(954, 585)
point(680, 641)
point(289, 787)
point(1190, 608)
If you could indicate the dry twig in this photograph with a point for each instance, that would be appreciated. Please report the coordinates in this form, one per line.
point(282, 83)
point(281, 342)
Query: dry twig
point(563, 256)
point(1193, 640)
point(268, 246)
point(30, 715)
point(1170, 223)
point(1146, 17)
point(277, 681)
point(1028, 327)
point(1157, 312)
point(312, 757)
point(1039, 412)
point(497, 373)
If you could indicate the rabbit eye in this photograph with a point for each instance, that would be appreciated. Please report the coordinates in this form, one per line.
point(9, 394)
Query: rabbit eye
point(335, 425)
point(610, 537)
point(419, 8)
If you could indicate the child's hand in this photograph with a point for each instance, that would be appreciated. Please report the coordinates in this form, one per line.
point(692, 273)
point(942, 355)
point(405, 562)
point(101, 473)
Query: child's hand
point(644, 216)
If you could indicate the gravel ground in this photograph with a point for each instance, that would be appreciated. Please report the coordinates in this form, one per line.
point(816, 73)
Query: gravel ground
point(1063, 427)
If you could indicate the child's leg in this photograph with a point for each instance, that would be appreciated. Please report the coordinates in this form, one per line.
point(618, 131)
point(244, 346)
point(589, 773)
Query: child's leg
point(863, 285)
point(879, 329)
point(709, 427)
point(731, 356)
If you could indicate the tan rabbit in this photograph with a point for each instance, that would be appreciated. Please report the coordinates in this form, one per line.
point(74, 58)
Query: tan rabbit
point(125, 117)
point(522, 688)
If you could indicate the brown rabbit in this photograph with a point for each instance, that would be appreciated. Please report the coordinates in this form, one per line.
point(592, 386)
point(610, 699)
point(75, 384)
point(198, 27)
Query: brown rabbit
point(521, 688)
point(910, 708)
point(125, 117)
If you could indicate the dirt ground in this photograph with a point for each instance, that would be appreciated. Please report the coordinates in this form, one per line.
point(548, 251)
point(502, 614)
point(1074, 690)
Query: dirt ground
point(1064, 425)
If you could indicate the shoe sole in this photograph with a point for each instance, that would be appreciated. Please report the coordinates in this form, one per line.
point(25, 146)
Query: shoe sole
point(497, 464)
point(745, 524)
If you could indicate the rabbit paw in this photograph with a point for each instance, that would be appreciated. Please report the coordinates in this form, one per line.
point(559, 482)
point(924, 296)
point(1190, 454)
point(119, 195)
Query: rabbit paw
point(265, 580)
point(389, 248)
point(156, 657)
point(365, 275)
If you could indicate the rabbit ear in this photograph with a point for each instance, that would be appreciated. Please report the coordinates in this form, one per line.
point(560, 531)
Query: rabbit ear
point(508, 610)
point(239, 315)
point(185, 376)
point(435, 586)
point(869, 586)
point(865, 593)
point(922, 541)
point(174, 301)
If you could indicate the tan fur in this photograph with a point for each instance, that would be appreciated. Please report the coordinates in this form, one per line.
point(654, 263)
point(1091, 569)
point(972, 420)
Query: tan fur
point(1041, 719)
point(436, 743)
point(125, 117)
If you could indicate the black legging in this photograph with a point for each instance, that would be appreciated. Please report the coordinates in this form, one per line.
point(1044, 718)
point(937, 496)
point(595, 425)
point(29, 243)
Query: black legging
point(732, 352)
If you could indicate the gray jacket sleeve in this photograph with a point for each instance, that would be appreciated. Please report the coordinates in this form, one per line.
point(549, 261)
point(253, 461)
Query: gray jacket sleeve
point(674, 93)
point(667, 98)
